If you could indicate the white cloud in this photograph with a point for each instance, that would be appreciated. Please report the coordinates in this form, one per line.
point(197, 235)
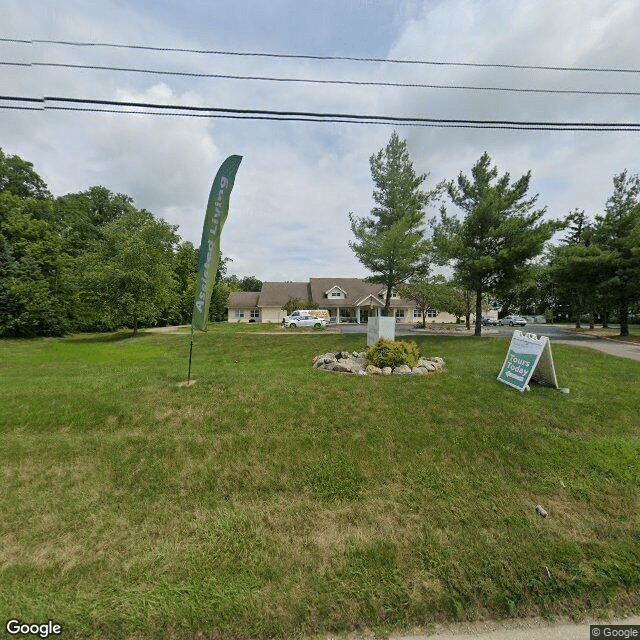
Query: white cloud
point(298, 181)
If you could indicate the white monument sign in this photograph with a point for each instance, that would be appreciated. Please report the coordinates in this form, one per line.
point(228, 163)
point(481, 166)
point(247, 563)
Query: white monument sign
point(380, 327)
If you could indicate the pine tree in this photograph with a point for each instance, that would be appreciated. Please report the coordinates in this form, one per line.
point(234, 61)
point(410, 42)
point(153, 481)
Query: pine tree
point(618, 235)
point(500, 233)
point(579, 228)
point(390, 242)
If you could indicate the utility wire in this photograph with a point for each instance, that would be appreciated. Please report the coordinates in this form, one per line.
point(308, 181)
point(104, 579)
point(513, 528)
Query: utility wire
point(120, 106)
point(332, 120)
point(320, 81)
point(443, 63)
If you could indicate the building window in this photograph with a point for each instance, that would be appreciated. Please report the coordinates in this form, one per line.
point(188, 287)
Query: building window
point(399, 313)
point(432, 313)
point(417, 313)
point(336, 294)
point(239, 313)
point(255, 313)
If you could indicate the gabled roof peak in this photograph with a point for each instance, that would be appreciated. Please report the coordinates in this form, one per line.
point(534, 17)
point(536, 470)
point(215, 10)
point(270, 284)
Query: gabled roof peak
point(373, 297)
point(333, 288)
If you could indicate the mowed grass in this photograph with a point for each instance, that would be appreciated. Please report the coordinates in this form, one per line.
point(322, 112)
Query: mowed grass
point(274, 500)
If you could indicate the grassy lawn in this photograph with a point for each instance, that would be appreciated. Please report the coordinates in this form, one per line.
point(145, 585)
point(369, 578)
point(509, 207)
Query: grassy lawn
point(273, 500)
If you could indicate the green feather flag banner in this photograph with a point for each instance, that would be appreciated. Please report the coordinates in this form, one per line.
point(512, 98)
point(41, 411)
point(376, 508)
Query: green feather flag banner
point(217, 210)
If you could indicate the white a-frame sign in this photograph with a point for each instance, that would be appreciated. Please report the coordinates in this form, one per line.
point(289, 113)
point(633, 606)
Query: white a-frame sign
point(529, 357)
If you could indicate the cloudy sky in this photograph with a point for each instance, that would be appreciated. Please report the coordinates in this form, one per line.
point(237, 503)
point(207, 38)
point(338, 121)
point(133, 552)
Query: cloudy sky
point(299, 180)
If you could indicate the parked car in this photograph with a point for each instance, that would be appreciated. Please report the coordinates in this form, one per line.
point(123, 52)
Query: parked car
point(305, 321)
point(512, 321)
point(298, 313)
point(489, 322)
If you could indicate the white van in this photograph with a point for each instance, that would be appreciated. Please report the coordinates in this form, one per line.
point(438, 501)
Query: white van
point(314, 313)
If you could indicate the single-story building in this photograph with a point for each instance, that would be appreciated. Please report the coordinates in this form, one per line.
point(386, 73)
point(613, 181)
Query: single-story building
point(245, 306)
point(346, 299)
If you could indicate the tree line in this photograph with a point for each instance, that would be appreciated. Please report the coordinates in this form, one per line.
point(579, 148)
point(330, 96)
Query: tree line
point(92, 261)
point(498, 245)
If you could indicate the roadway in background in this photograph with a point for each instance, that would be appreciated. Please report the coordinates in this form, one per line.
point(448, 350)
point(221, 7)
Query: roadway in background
point(557, 333)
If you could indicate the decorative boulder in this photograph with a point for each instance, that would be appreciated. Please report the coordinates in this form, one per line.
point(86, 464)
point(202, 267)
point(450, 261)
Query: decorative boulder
point(354, 362)
point(403, 369)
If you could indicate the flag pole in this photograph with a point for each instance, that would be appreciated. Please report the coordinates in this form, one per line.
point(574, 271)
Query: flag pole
point(190, 352)
point(209, 255)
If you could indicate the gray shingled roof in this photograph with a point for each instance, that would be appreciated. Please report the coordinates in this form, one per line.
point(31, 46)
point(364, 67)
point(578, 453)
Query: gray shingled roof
point(356, 289)
point(243, 299)
point(277, 294)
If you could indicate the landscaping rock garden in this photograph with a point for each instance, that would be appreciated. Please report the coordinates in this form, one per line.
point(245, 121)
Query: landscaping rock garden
point(354, 362)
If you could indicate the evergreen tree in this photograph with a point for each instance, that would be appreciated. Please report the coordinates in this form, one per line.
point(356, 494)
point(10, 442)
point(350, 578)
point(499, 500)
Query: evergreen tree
point(617, 233)
point(390, 242)
point(500, 233)
point(576, 266)
point(579, 228)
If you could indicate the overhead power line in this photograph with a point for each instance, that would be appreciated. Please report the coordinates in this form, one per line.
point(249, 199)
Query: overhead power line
point(440, 63)
point(121, 106)
point(223, 76)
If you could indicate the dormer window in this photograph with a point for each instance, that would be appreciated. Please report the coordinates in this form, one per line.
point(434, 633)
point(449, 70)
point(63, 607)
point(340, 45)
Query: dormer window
point(394, 294)
point(336, 293)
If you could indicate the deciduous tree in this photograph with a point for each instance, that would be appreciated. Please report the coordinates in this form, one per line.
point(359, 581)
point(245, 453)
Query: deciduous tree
point(250, 283)
point(35, 289)
point(130, 274)
point(17, 176)
point(185, 269)
point(80, 216)
point(296, 303)
point(428, 293)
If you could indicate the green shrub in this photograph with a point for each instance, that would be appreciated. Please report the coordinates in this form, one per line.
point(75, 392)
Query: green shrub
point(386, 353)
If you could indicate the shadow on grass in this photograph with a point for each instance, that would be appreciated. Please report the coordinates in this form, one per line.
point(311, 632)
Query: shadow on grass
point(116, 336)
